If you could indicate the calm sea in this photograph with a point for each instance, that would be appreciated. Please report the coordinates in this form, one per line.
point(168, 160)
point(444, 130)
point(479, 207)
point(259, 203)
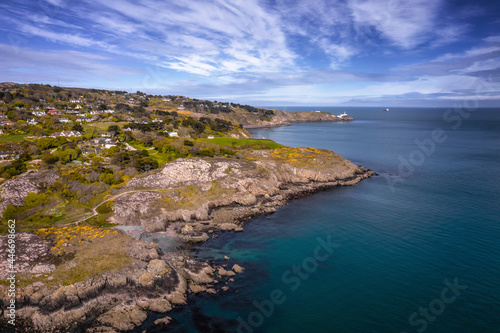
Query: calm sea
point(415, 249)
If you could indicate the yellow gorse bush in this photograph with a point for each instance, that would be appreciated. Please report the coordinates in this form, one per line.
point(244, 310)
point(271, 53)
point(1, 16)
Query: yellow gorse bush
point(301, 156)
point(77, 235)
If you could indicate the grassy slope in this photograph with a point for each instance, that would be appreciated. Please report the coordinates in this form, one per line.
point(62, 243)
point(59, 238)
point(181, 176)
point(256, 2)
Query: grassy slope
point(238, 143)
point(12, 138)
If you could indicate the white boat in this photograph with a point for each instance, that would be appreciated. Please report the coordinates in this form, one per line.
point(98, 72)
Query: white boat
point(385, 109)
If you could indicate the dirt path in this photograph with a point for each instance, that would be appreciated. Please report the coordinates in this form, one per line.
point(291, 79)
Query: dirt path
point(94, 209)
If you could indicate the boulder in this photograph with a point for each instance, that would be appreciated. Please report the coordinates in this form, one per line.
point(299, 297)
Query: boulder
point(237, 268)
point(124, 317)
point(222, 272)
point(163, 321)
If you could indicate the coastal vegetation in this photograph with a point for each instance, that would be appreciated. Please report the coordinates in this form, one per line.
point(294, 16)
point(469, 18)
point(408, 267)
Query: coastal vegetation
point(75, 163)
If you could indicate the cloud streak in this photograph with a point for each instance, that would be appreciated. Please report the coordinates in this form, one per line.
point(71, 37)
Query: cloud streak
point(255, 49)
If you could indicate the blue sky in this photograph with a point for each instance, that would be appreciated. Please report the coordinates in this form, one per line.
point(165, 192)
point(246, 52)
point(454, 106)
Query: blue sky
point(270, 52)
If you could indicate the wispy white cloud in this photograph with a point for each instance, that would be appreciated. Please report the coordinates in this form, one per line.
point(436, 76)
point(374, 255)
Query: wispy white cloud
point(256, 48)
point(471, 53)
point(481, 66)
point(28, 64)
point(71, 39)
point(407, 24)
point(201, 33)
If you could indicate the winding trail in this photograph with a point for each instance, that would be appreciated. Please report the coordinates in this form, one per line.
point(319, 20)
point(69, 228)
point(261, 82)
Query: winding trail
point(94, 209)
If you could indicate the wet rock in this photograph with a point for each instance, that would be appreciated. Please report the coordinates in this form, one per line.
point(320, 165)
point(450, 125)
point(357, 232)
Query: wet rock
point(123, 317)
point(186, 229)
point(162, 321)
point(196, 288)
point(222, 272)
point(144, 251)
point(159, 304)
point(237, 268)
point(227, 226)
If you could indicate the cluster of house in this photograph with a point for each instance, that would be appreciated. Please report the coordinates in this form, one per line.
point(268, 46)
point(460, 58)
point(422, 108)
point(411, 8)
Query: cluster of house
point(9, 155)
point(4, 121)
point(105, 141)
point(66, 134)
point(99, 143)
point(82, 116)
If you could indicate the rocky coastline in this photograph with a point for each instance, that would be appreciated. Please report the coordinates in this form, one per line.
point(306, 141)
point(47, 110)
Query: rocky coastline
point(191, 199)
point(286, 118)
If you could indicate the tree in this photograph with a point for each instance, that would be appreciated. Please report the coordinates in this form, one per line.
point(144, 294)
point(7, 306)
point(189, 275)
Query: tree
point(50, 159)
point(10, 212)
point(18, 104)
point(46, 143)
point(8, 97)
point(198, 127)
point(114, 128)
point(146, 164)
point(107, 178)
point(77, 127)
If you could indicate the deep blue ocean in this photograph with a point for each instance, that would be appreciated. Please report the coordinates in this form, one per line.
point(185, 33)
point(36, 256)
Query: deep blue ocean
point(414, 249)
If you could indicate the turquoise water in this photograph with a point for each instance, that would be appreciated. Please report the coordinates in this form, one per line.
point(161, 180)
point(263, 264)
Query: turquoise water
point(395, 243)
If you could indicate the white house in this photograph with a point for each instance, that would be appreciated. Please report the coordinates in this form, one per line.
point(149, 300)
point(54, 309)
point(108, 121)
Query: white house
point(5, 155)
point(85, 119)
point(32, 121)
point(109, 145)
point(173, 134)
point(39, 113)
point(66, 134)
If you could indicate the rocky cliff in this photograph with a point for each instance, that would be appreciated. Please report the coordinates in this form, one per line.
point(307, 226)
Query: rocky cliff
point(283, 118)
point(88, 279)
point(14, 191)
point(192, 197)
point(113, 301)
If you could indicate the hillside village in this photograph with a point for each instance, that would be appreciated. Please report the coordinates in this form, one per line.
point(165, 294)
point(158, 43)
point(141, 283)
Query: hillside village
point(80, 166)
point(37, 119)
point(94, 141)
point(91, 142)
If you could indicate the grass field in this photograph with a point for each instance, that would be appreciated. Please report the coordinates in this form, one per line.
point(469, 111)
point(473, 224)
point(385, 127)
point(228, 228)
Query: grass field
point(102, 126)
point(138, 146)
point(238, 143)
point(12, 138)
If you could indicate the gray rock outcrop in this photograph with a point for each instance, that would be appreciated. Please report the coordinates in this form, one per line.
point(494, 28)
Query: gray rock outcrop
point(15, 190)
point(193, 196)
